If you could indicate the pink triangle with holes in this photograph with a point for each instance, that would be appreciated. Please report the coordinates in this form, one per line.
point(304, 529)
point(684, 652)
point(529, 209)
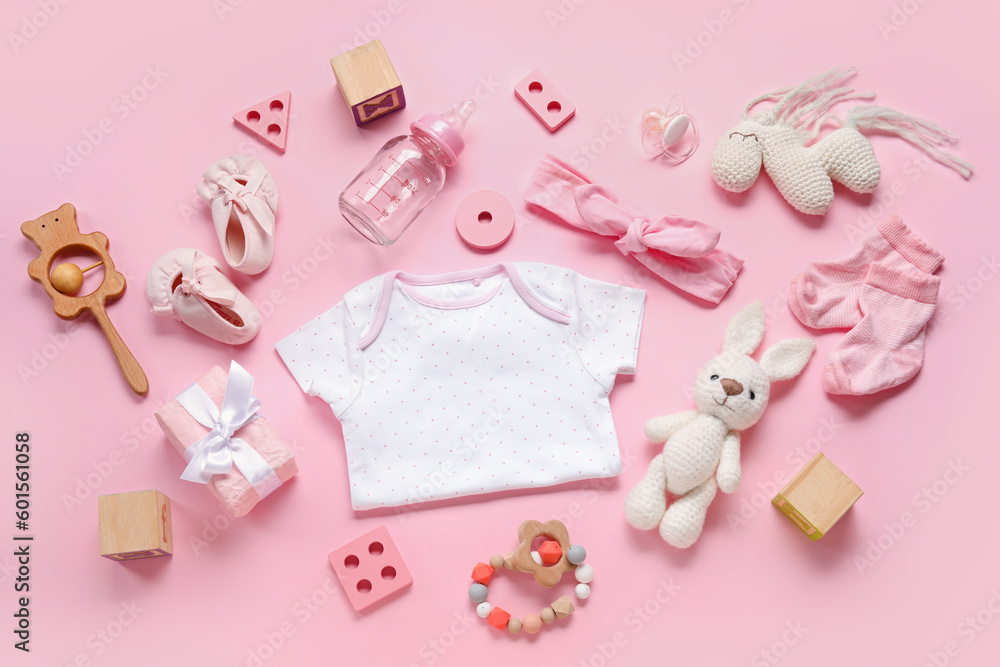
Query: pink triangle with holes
point(268, 119)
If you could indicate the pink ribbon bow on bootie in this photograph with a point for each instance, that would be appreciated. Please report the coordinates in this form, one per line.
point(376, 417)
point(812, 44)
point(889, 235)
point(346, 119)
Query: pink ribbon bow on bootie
point(680, 250)
point(199, 277)
point(245, 197)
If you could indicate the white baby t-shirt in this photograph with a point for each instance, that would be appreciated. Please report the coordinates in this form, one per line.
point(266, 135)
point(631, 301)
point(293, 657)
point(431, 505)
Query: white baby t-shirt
point(471, 382)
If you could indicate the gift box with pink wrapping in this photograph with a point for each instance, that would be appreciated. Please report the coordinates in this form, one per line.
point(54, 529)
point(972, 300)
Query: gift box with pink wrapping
point(215, 424)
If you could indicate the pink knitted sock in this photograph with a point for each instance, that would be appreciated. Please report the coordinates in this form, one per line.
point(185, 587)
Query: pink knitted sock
point(825, 294)
point(886, 348)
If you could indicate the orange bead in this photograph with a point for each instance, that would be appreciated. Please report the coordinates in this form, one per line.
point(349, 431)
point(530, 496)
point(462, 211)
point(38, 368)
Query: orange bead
point(550, 551)
point(498, 618)
point(482, 573)
point(532, 623)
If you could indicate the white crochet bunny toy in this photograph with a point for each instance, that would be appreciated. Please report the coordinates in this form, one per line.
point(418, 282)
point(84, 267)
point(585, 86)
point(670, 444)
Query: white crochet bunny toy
point(701, 451)
point(777, 139)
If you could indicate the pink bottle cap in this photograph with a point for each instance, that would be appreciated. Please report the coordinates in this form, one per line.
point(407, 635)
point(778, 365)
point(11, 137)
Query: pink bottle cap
point(445, 129)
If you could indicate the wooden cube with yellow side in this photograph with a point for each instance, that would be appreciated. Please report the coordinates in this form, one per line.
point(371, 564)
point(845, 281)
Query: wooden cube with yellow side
point(817, 497)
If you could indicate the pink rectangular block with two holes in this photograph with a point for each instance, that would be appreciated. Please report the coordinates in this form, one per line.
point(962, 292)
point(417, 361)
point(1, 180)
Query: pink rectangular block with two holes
point(545, 100)
point(370, 569)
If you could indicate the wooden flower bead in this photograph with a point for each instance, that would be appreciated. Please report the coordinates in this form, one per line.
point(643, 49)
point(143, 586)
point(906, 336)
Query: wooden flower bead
point(522, 561)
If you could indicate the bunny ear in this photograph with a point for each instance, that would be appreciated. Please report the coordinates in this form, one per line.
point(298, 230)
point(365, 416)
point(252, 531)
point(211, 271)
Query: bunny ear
point(786, 358)
point(745, 330)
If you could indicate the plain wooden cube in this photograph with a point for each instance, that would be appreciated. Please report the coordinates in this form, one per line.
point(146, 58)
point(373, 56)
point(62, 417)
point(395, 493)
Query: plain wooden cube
point(817, 497)
point(135, 525)
point(368, 82)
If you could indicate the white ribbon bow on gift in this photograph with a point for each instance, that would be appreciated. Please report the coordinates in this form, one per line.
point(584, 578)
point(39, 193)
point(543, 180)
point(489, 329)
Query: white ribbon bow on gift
point(216, 453)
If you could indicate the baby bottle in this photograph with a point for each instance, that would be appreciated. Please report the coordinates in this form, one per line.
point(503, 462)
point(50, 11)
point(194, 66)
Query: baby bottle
point(403, 177)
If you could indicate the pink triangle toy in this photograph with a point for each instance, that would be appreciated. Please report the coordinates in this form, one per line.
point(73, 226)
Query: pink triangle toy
point(268, 119)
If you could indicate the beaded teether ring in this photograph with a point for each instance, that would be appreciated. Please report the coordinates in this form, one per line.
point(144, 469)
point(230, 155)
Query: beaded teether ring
point(554, 558)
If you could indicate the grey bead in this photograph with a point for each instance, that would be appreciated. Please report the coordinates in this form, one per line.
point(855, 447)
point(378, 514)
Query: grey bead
point(478, 593)
point(576, 554)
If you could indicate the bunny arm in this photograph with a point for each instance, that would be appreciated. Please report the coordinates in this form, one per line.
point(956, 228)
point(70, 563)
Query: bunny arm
point(728, 473)
point(660, 429)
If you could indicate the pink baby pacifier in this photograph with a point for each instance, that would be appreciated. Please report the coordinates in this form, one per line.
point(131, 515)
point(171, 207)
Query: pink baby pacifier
point(671, 132)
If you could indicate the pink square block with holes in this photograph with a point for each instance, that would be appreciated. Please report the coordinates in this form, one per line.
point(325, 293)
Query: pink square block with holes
point(545, 100)
point(370, 569)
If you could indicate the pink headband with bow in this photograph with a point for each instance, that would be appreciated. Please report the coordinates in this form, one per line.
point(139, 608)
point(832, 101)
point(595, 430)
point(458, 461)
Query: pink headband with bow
point(679, 250)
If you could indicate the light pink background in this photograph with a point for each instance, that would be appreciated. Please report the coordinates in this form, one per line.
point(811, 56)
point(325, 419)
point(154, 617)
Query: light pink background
point(739, 591)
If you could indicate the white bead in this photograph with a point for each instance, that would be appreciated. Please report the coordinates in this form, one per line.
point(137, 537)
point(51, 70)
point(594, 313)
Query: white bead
point(582, 591)
point(537, 557)
point(585, 573)
point(484, 609)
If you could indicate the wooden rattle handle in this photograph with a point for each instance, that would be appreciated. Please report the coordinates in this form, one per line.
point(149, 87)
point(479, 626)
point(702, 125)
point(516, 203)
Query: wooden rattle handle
point(131, 369)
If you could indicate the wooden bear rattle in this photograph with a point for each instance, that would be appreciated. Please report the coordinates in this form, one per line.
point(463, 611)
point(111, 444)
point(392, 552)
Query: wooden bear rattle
point(55, 232)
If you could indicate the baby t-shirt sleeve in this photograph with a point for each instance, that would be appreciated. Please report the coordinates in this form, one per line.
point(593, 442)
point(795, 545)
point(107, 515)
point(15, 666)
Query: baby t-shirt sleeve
point(605, 319)
point(325, 358)
point(605, 323)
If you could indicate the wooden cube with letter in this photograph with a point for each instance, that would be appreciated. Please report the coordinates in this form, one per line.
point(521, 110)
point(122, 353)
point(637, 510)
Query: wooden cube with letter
point(135, 525)
point(368, 82)
point(817, 497)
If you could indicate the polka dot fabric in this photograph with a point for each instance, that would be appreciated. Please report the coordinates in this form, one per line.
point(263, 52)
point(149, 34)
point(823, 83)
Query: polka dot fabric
point(471, 382)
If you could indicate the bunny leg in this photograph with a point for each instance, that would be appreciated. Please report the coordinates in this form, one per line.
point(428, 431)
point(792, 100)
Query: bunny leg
point(801, 177)
point(683, 521)
point(849, 159)
point(647, 500)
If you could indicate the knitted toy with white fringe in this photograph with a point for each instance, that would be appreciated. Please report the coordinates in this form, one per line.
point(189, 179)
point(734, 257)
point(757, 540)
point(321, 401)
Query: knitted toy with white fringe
point(778, 138)
point(701, 450)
